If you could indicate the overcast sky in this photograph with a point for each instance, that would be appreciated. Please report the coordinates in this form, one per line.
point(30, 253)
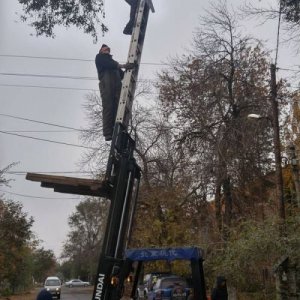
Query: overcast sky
point(170, 32)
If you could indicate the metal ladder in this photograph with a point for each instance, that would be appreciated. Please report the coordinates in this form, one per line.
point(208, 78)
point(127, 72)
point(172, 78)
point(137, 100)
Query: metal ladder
point(134, 56)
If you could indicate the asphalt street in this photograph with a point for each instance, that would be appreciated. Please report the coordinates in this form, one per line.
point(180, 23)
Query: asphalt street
point(76, 293)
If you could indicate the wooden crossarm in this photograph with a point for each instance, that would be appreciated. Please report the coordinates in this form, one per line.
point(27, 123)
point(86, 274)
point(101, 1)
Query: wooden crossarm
point(72, 185)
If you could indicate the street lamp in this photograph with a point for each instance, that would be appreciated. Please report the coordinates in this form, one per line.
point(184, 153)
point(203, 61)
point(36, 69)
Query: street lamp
point(255, 116)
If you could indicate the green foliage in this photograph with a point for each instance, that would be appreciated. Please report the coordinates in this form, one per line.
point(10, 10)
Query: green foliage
point(15, 234)
point(44, 15)
point(248, 258)
point(83, 245)
point(169, 220)
point(44, 263)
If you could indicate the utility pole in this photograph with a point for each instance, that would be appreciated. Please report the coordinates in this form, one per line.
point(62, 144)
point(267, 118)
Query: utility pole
point(295, 171)
point(277, 145)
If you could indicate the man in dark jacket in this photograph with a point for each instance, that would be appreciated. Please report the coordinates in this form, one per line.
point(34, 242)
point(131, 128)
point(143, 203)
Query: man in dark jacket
point(110, 75)
point(219, 292)
point(44, 295)
point(133, 6)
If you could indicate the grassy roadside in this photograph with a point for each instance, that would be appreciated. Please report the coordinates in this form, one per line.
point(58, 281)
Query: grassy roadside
point(31, 295)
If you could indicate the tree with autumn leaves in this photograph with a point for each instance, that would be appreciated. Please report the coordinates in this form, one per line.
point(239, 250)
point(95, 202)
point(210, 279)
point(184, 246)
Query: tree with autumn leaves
point(83, 243)
point(22, 260)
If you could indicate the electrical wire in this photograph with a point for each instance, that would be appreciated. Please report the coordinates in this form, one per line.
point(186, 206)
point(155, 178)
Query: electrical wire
point(37, 197)
point(71, 129)
point(48, 76)
point(48, 172)
point(40, 122)
point(40, 131)
point(46, 140)
point(278, 32)
point(287, 69)
point(61, 88)
point(61, 76)
point(48, 87)
point(70, 59)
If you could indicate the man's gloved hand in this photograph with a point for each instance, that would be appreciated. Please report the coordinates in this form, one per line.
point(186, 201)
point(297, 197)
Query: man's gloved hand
point(128, 66)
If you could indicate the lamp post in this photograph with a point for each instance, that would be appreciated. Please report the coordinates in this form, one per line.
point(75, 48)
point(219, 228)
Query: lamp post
point(277, 145)
point(276, 141)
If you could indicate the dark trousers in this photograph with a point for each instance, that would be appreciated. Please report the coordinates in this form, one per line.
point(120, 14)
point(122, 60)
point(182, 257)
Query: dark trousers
point(110, 90)
point(133, 7)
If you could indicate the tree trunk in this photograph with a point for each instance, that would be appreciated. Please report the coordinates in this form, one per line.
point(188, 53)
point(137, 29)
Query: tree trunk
point(218, 206)
point(228, 206)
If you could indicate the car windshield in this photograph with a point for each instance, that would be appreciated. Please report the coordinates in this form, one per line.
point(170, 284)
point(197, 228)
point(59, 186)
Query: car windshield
point(172, 282)
point(52, 282)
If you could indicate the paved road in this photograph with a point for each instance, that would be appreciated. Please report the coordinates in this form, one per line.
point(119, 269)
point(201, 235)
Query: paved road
point(76, 293)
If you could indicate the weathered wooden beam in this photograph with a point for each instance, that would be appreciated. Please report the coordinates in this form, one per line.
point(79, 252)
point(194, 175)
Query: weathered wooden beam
point(72, 185)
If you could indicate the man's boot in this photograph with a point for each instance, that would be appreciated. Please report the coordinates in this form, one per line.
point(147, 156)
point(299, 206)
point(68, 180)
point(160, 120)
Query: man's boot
point(133, 7)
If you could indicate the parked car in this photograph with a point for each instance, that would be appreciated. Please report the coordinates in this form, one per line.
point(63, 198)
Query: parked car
point(53, 285)
point(169, 287)
point(76, 282)
point(148, 282)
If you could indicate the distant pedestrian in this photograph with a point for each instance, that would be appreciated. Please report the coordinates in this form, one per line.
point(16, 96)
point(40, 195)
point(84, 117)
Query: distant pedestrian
point(44, 295)
point(219, 292)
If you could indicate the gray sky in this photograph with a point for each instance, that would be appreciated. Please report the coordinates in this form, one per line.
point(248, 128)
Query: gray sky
point(170, 31)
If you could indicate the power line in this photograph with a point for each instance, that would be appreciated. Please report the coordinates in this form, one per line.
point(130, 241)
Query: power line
point(60, 76)
point(60, 88)
point(40, 131)
point(51, 172)
point(71, 129)
point(48, 76)
point(48, 87)
point(46, 140)
point(278, 32)
point(36, 197)
point(288, 69)
point(40, 122)
point(70, 59)
point(92, 60)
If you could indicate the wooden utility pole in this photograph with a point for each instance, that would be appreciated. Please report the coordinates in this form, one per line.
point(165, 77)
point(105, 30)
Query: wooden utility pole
point(277, 145)
point(295, 172)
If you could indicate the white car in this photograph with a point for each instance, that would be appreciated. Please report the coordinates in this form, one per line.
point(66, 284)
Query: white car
point(53, 285)
point(77, 282)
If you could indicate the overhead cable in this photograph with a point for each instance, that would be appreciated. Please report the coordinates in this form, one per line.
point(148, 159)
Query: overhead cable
point(46, 140)
point(70, 59)
point(48, 87)
point(40, 122)
point(37, 197)
point(60, 76)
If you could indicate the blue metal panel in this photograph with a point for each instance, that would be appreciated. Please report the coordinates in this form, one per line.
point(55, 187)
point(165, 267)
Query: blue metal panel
point(149, 254)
